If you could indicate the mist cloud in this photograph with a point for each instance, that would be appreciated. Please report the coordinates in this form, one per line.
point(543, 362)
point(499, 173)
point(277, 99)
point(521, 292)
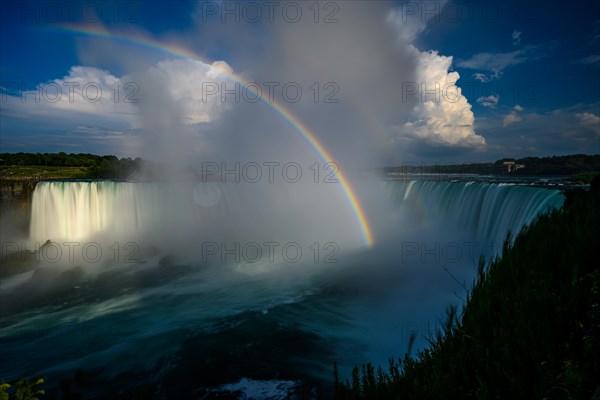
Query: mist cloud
point(368, 56)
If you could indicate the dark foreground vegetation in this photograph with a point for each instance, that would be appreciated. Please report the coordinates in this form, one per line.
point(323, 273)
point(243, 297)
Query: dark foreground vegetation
point(530, 328)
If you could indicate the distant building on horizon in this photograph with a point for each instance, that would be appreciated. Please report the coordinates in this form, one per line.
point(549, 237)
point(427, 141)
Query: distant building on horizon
point(512, 166)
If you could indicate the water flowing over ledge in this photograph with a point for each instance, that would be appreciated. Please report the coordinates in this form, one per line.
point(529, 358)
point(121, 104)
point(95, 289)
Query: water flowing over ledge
point(488, 211)
point(80, 210)
point(162, 212)
point(368, 302)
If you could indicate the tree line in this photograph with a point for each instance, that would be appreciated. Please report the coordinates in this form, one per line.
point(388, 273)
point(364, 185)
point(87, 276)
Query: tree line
point(533, 166)
point(107, 166)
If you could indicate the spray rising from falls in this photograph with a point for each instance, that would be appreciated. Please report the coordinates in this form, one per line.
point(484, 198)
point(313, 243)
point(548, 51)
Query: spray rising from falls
point(184, 214)
point(162, 213)
point(486, 210)
point(84, 210)
point(360, 303)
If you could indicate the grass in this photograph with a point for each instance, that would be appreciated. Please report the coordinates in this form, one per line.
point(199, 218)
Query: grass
point(36, 172)
point(584, 177)
point(530, 327)
point(23, 389)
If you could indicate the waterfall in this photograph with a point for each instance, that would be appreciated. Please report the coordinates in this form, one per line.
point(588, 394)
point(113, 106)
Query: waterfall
point(371, 302)
point(489, 211)
point(188, 212)
point(64, 211)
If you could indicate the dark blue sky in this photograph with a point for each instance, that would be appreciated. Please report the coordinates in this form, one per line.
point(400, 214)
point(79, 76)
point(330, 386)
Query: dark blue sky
point(530, 71)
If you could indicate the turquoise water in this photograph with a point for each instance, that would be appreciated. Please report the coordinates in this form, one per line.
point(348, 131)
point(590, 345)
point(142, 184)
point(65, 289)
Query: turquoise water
point(160, 306)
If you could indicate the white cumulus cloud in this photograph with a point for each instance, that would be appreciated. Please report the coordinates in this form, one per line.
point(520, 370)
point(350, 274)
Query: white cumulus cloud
point(86, 90)
point(91, 92)
point(588, 119)
point(194, 89)
point(154, 111)
point(513, 116)
point(443, 116)
point(489, 101)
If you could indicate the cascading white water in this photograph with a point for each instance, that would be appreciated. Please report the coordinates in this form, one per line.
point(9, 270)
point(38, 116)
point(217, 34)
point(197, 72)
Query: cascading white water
point(82, 210)
point(72, 210)
point(190, 211)
point(489, 211)
point(362, 309)
point(63, 211)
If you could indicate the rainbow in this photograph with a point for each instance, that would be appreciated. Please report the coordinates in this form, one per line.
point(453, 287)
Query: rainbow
point(179, 51)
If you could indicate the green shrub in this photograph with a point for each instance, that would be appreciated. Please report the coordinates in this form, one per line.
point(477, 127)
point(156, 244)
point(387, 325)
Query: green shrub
point(530, 327)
